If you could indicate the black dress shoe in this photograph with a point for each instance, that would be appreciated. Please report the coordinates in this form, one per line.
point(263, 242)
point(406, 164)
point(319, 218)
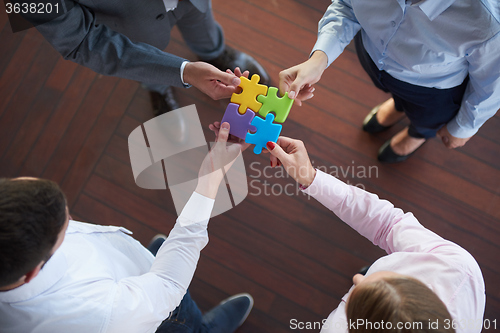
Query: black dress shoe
point(371, 124)
point(387, 155)
point(230, 314)
point(162, 103)
point(232, 58)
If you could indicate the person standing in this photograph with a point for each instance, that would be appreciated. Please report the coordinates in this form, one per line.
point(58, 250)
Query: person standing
point(439, 60)
point(125, 39)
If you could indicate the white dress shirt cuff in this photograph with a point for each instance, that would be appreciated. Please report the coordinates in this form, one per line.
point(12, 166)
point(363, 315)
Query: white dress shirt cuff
point(327, 186)
point(197, 210)
point(458, 131)
point(330, 44)
point(170, 4)
point(186, 85)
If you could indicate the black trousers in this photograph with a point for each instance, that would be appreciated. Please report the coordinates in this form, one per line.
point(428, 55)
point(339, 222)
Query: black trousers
point(428, 109)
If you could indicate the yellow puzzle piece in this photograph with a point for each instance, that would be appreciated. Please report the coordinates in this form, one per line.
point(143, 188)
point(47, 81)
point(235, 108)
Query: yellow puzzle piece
point(248, 97)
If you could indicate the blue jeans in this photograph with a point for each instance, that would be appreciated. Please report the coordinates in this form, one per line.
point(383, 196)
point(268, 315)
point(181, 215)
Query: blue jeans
point(186, 318)
point(428, 109)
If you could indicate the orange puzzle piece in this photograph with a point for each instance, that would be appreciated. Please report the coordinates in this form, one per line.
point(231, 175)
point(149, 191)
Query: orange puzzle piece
point(248, 97)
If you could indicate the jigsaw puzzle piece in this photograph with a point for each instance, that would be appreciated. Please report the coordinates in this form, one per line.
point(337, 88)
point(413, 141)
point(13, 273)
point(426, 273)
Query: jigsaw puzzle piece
point(240, 123)
point(273, 103)
point(247, 99)
point(266, 131)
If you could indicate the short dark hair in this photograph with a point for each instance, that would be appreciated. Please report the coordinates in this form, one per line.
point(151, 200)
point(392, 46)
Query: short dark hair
point(401, 301)
point(32, 214)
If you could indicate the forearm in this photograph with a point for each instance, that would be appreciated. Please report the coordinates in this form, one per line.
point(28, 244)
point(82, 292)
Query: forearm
point(336, 29)
point(177, 258)
point(363, 211)
point(482, 97)
point(376, 219)
point(77, 37)
point(475, 110)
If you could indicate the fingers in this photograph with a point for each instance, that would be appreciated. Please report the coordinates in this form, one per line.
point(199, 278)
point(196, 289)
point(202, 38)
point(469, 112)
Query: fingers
point(286, 76)
point(275, 162)
point(221, 91)
point(277, 152)
point(287, 144)
point(446, 141)
point(228, 78)
point(444, 135)
point(223, 133)
point(215, 128)
point(306, 92)
point(295, 88)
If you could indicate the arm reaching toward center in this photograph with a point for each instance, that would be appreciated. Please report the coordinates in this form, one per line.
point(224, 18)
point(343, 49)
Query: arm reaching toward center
point(146, 300)
point(78, 37)
point(336, 29)
point(377, 220)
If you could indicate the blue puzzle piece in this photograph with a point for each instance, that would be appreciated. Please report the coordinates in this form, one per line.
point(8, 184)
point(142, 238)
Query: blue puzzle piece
point(240, 124)
point(266, 131)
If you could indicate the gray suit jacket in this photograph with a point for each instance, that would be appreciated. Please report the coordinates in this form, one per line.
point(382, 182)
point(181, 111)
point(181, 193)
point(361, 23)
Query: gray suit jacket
point(121, 38)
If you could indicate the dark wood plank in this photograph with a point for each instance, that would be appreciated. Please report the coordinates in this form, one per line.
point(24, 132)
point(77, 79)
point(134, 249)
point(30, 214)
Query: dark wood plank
point(59, 121)
point(10, 42)
point(17, 107)
point(4, 19)
point(484, 150)
point(319, 5)
point(98, 138)
point(299, 14)
point(18, 65)
point(77, 131)
point(61, 75)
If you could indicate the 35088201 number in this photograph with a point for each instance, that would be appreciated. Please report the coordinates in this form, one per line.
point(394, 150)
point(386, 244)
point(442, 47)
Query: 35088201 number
point(31, 8)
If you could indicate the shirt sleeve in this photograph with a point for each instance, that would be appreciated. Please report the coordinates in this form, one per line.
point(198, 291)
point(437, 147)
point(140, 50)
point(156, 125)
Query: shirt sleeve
point(77, 37)
point(141, 303)
point(377, 220)
point(336, 29)
point(482, 97)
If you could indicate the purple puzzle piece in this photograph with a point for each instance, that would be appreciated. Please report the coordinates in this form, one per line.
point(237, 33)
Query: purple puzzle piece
point(240, 123)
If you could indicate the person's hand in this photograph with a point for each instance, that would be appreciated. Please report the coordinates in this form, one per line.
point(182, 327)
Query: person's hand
point(298, 80)
point(238, 73)
point(216, 127)
point(210, 80)
point(449, 140)
point(218, 161)
point(292, 154)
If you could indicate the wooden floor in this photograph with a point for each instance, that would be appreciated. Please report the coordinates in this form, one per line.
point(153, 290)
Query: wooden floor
point(64, 122)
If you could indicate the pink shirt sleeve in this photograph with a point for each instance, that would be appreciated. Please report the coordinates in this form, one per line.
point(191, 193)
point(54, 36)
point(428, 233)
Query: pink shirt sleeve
point(378, 220)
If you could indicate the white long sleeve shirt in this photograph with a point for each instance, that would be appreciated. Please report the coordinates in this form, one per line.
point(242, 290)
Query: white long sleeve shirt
point(412, 250)
point(102, 280)
point(428, 43)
